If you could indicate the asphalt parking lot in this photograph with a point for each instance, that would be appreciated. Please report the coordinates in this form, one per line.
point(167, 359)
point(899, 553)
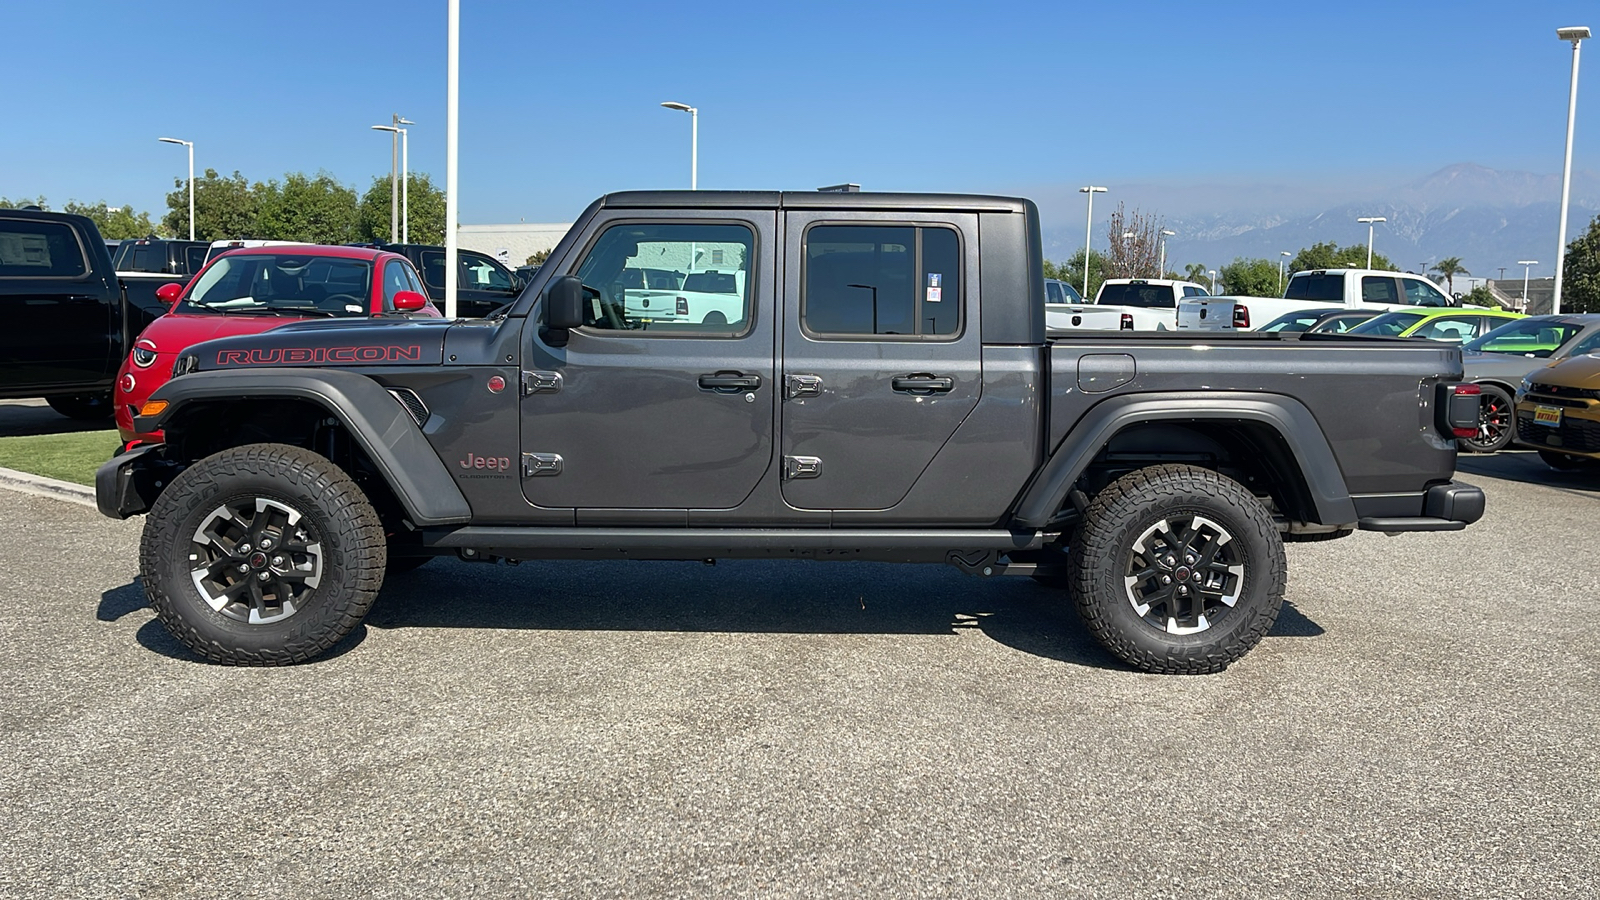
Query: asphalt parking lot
point(1422, 722)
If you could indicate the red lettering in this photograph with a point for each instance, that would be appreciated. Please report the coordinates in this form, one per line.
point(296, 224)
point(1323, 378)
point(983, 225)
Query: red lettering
point(341, 354)
point(296, 355)
point(232, 358)
point(265, 357)
point(412, 353)
point(370, 354)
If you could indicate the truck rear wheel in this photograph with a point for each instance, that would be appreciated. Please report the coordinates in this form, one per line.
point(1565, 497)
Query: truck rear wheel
point(262, 555)
point(1178, 570)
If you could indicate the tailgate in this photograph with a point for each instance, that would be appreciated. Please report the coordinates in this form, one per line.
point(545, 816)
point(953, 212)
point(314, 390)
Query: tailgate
point(1205, 314)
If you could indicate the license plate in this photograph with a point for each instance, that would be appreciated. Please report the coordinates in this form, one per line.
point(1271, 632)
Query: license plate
point(1547, 415)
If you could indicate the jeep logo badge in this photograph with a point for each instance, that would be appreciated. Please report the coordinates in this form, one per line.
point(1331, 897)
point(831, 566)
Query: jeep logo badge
point(493, 463)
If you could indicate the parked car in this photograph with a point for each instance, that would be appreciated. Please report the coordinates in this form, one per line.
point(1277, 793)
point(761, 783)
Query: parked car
point(1455, 325)
point(1364, 287)
point(875, 398)
point(216, 248)
point(1126, 304)
point(1558, 412)
point(251, 290)
point(161, 256)
point(1499, 360)
point(1319, 320)
point(69, 318)
point(483, 285)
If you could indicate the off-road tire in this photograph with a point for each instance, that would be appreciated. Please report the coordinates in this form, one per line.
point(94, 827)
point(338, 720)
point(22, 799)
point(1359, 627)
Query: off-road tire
point(350, 544)
point(1127, 511)
point(1494, 398)
point(1565, 462)
point(83, 407)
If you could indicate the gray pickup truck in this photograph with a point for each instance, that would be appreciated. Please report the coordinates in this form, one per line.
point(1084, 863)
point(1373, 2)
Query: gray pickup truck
point(871, 381)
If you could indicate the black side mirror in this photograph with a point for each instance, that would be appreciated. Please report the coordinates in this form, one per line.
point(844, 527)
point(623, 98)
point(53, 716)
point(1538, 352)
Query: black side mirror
point(563, 307)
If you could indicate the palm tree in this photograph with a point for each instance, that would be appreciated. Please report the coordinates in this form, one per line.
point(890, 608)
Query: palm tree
point(1195, 272)
point(1450, 267)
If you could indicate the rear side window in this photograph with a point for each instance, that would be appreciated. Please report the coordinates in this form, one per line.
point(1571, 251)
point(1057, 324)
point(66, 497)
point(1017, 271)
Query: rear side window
point(39, 250)
point(195, 257)
point(1190, 291)
point(1052, 292)
point(886, 280)
point(1378, 289)
point(1318, 286)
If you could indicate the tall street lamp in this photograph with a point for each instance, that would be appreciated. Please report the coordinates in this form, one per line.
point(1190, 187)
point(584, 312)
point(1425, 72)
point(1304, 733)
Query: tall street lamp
point(190, 145)
point(405, 178)
point(1526, 264)
point(1088, 227)
point(1576, 35)
point(1283, 265)
point(1369, 221)
point(1213, 274)
point(1133, 272)
point(394, 179)
point(452, 132)
point(1161, 253)
point(694, 141)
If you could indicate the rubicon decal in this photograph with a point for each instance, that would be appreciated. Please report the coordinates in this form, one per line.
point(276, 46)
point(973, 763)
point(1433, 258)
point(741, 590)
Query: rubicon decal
point(297, 355)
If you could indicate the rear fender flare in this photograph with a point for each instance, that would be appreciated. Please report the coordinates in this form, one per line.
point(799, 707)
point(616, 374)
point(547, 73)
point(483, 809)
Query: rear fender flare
point(1287, 416)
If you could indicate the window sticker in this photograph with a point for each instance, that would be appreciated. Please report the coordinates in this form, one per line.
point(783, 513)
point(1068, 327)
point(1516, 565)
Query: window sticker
point(935, 288)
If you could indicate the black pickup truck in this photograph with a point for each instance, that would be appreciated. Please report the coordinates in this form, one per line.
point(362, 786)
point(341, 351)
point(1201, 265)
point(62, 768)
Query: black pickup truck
point(483, 285)
point(69, 319)
point(877, 385)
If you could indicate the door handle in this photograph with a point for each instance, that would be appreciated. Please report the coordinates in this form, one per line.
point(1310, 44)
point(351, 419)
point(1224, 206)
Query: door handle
point(923, 384)
point(730, 382)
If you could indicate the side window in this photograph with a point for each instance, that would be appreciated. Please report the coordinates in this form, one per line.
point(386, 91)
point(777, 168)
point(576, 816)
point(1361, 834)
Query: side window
point(1189, 291)
point(1449, 328)
point(881, 280)
point(1589, 344)
point(660, 278)
point(30, 249)
point(414, 281)
point(433, 269)
point(1421, 293)
point(396, 278)
point(481, 273)
point(195, 257)
point(1052, 292)
point(1378, 289)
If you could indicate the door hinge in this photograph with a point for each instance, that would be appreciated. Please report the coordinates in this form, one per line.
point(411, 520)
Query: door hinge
point(795, 467)
point(536, 464)
point(541, 383)
point(803, 385)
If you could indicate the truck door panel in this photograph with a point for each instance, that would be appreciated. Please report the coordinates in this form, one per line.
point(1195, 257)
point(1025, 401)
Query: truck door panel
point(59, 327)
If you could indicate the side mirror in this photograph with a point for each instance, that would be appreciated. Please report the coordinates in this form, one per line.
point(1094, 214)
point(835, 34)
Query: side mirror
point(169, 292)
point(563, 303)
point(409, 301)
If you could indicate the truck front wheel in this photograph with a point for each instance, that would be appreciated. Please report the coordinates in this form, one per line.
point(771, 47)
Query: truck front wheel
point(1178, 570)
point(262, 555)
point(87, 407)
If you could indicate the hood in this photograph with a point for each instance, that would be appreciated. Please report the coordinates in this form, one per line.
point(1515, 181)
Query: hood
point(1577, 371)
point(173, 333)
point(321, 342)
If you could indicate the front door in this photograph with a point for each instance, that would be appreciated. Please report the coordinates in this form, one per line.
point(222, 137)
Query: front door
point(881, 352)
point(667, 406)
point(60, 328)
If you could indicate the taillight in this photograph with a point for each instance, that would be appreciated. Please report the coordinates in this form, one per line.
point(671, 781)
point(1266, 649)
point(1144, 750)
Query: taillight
point(683, 306)
point(1241, 316)
point(1127, 321)
point(1460, 409)
point(1468, 389)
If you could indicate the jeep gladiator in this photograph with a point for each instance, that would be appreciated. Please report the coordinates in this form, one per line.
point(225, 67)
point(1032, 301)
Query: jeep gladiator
point(884, 390)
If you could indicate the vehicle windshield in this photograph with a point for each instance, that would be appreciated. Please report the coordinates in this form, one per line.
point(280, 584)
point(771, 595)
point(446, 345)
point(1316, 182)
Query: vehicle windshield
point(1525, 337)
point(1138, 293)
point(1301, 320)
point(1318, 286)
point(1388, 324)
point(282, 284)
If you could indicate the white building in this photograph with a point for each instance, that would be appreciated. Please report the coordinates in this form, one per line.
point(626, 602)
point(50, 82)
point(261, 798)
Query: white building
point(511, 244)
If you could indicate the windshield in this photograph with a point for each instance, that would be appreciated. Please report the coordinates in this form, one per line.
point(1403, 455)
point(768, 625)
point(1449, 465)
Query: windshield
point(1318, 286)
point(1388, 324)
point(1138, 293)
point(282, 284)
point(1527, 337)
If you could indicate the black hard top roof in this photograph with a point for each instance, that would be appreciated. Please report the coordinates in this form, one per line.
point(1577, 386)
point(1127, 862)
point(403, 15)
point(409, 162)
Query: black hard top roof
point(812, 200)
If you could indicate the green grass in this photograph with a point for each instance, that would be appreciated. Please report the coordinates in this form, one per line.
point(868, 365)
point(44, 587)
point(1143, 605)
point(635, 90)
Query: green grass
point(69, 457)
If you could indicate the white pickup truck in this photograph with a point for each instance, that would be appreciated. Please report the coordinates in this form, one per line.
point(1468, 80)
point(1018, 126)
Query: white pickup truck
point(1315, 288)
point(1124, 304)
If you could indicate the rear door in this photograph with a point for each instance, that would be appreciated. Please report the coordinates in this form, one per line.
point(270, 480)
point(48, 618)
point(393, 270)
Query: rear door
point(881, 352)
point(60, 328)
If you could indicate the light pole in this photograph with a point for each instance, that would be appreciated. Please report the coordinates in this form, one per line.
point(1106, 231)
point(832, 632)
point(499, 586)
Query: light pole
point(1283, 265)
point(405, 178)
point(394, 179)
point(1133, 270)
point(1369, 221)
point(1161, 253)
point(1526, 265)
point(452, 121)
point(1213, 274)
point(1088, 227)
point(190, 145)
point(1575, 34)
point(694, 141)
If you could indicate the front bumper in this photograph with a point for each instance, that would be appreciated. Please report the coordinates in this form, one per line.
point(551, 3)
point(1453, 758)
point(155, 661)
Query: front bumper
point(1450, 506)
point(126, 484)
point(1577, 435)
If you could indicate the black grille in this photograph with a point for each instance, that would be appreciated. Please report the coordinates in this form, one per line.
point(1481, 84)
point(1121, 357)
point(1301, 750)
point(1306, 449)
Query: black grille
point(1561, 390)
point(413, 404)
point(1577, 435)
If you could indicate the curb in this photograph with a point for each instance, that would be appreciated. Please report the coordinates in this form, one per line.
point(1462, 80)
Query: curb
point(40, 486)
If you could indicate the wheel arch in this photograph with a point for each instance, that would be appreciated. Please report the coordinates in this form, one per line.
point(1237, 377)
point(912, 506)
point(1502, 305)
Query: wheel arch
point(1275, 436)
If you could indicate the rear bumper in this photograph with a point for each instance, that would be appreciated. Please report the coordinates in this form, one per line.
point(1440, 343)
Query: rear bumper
point(1451, 506)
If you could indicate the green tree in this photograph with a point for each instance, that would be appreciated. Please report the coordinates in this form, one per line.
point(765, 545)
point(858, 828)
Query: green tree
point(318, 210)
point(1071, 272)
point(1480, 296)
point(1197, 273)
point(1328, 255)
point(424, 204)
point(224, 207)
point(538, 258)
point(1250, 278)
point(8, 203)
point(1450, 267)
point(1580, 284)
point(115, 224)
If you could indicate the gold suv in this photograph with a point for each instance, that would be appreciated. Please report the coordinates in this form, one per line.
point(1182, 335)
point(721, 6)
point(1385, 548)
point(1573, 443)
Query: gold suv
point(1558, 412)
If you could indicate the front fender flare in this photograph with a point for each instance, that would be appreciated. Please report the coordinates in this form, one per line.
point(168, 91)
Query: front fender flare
point(1285, 415)
point(373, 417)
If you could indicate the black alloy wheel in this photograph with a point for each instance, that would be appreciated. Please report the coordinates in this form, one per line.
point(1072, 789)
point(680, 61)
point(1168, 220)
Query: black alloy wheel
point(1497, 423)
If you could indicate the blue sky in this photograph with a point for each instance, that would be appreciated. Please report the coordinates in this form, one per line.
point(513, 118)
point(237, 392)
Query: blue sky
point(559, 100)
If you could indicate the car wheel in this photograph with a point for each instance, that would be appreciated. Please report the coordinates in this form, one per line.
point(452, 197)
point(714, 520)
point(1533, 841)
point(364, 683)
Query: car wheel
point(87, 407)
point(262, 555)
point(1178, 570)
point(1565, 462)
point(1497, 423)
